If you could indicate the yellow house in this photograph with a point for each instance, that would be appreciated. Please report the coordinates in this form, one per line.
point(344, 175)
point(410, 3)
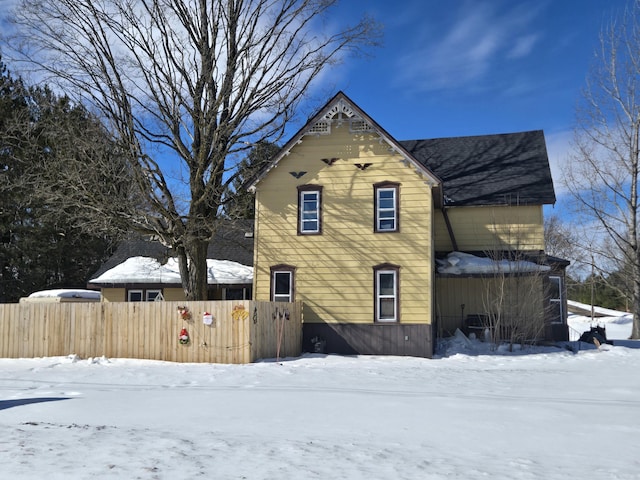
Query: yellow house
point(356, 225)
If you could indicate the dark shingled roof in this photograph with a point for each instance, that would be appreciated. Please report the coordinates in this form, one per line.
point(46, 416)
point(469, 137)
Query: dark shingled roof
point(505, 169)
point(229, 243)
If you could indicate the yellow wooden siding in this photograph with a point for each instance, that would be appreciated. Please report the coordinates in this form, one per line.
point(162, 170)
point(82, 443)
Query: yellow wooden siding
point(334, 271)
point(492, 227)
point(114, 294)
point(120, 294)
point(173, 294)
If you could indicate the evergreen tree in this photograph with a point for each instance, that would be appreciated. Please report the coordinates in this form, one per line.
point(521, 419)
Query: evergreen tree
point(241, 203)
point(39, 247)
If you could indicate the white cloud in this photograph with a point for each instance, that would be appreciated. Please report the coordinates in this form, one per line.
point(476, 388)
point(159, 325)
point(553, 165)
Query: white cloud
point(559, 145)
point(523, 46)
point(476, 41)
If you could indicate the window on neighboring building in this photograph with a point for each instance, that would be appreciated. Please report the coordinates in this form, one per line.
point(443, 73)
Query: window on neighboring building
point(236, 293)
point(144, 295)
point(309, 209)
point(282, 283)
point(153, 295)
point(386, 207)
point(135, 295)
point(386, 293)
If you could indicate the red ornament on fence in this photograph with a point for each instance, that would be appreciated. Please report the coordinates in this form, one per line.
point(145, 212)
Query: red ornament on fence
point(184, 336)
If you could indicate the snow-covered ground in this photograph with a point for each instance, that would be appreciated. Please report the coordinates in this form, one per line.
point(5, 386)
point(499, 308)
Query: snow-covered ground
point(544, 413)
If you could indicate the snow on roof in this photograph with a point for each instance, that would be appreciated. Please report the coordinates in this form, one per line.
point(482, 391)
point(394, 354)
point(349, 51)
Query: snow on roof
point(149, 270)
point(584, 308)
point(66, 293)
point(458, 263)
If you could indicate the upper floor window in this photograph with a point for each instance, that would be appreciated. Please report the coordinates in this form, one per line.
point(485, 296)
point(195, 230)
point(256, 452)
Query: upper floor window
point(309, 209)
point(386, 207)
point(282, 278)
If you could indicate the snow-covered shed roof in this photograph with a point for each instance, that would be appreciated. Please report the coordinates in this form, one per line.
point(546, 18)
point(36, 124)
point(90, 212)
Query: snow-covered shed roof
point(150, 271)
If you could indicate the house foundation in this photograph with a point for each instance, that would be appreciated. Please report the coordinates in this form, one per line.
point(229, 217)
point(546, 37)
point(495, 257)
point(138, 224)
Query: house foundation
point(368, 339)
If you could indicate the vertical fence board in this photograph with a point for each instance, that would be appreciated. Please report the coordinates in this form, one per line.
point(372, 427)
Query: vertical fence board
point(242, 331)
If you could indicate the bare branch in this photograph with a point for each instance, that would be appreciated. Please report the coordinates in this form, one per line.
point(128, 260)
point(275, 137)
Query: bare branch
point(185, 85)
point(603, 173)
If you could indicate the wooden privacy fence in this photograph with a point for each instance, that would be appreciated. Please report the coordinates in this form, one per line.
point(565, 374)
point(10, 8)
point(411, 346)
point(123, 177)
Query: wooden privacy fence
point(235, 332)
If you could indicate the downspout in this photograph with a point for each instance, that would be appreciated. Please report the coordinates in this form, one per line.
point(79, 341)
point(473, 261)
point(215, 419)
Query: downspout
point(447, 222)
point(256, 211)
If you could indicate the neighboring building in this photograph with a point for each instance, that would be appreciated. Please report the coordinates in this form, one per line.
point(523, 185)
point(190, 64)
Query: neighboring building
point(355, 224)
point(143, 269)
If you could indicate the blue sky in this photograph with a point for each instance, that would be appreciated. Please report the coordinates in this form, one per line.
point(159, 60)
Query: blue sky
point(473, 67)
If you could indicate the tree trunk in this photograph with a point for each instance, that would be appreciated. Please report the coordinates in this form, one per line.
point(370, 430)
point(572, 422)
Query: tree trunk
point(635, 328)
point(192, 261)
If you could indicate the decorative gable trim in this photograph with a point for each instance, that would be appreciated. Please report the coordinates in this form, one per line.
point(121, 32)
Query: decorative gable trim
point(338, 110)
point(339, 113)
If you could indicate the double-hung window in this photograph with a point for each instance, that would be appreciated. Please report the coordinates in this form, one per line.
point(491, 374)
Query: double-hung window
point(309, 210)
point(282, 278)
point(386, 207)
point(386, 293)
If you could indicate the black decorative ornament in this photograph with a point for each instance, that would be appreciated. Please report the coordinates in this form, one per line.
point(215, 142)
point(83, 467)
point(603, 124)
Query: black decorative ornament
point(363, 166)
point(329, 161)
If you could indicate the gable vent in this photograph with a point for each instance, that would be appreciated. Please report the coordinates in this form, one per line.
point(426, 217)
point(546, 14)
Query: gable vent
point(357, 125)
point(320, 128)
point(340, 112)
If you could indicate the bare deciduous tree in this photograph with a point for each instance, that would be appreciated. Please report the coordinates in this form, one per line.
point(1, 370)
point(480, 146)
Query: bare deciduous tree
point(513, 295)
point(197, 81)
point(559, 240)
point(604, 170)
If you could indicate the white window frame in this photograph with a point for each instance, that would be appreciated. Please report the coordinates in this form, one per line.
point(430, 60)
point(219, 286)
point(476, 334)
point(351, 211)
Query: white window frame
point(135, 291)
point(158, 295)
point(557, 279)
point(281, 297)
point(308, 196)
point(380, 210)
point(145, 294)
point(379, 296)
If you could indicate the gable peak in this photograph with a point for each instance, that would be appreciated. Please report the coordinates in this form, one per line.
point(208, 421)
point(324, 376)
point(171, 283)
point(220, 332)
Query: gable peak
point(340, 108)
point(336, 113)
